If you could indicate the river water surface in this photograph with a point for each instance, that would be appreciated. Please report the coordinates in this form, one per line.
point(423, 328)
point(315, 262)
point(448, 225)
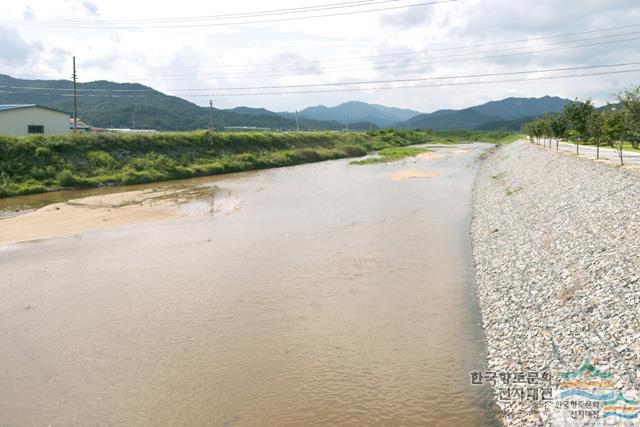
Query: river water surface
point(330, 294)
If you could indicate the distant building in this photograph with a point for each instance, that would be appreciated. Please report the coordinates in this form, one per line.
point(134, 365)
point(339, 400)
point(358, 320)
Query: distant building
point(31, 119)
point(245, 129)
point(126, 130)
point(80, 125)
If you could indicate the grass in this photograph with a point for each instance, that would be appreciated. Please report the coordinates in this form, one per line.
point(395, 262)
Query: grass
point(391, 155)
point(470, 136)
point(36, 164)
point(499, 176)
point(625, 147)
point(512, 190)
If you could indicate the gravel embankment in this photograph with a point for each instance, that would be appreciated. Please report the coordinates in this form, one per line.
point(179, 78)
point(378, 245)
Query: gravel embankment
point(556, 242)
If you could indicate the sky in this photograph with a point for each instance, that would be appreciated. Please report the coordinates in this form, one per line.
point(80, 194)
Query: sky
point(187, 49)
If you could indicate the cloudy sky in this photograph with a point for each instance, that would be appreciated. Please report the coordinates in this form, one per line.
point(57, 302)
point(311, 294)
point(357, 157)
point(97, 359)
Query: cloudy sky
point(188, 49)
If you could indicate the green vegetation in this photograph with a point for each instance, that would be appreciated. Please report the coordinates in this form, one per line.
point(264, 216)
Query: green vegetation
point(512, 190)
point(391, 155)
point(468, 136)
point(150, 109)
point(37, 164)
point(617, 126)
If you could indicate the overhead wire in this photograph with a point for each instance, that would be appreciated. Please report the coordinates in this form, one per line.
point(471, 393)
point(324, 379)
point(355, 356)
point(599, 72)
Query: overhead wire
point(97, 26)
point(217, 92)
point(567, 76)
point(406, 68)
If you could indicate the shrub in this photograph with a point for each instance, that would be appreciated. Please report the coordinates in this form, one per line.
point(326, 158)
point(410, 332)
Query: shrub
point(66, 178)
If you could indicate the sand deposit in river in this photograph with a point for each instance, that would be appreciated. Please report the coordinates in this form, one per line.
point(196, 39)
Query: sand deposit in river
point(112, 210)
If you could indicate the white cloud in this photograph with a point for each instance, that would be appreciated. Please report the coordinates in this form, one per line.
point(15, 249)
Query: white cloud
point(324, 50)
point(14, 50)
point(28, 14)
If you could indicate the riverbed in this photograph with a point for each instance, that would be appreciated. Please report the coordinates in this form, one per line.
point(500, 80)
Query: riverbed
point(320, 294)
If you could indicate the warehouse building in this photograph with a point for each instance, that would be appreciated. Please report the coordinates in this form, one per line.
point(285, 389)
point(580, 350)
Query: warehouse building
point(29, 119)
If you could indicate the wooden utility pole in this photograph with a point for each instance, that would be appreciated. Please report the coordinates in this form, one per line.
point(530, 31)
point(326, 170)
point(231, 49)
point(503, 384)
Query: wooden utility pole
point(297, 122)
point(211, 112)
point(75, 97)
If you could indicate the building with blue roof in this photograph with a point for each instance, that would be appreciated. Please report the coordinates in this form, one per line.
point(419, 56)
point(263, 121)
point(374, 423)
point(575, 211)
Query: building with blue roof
point(32, 119)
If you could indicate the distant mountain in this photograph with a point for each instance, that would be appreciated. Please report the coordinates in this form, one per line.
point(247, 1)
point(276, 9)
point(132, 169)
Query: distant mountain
point(131, 105)
point(467, 119)
point(252, 111)
point(356, 111)
point(506, 114)
point(513, 125)
point(511, 108)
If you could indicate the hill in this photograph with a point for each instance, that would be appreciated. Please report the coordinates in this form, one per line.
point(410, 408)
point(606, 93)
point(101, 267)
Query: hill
point(512, 108)
point(356, 111)
point(506, 114)
point(131, 105)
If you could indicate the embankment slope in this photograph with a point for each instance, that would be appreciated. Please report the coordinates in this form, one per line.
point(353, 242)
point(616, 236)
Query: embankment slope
point(556, 244)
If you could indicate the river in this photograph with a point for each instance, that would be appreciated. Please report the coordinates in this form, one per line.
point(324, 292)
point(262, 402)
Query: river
point(329, 294)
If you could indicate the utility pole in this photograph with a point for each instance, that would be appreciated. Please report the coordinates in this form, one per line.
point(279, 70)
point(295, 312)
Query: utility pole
point(347, 125)
point(297, 122)
point(133, 118)
point(211, 111)
point(75, 97)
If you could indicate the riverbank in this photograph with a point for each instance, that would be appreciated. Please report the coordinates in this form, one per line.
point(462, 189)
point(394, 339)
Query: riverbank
point(70, 212)
point(555, 243)
point(38, 164)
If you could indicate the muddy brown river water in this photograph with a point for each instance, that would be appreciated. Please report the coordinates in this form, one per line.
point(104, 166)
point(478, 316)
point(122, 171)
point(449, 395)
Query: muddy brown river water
point(321, 294)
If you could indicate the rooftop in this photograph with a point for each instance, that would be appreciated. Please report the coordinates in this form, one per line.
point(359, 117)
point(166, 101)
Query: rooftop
point(7, 107)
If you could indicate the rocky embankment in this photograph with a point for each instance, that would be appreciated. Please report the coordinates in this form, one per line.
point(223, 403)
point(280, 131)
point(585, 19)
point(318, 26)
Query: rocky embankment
point(556, 242)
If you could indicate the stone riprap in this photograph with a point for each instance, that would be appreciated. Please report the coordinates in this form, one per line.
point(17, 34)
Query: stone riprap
point(556, 243)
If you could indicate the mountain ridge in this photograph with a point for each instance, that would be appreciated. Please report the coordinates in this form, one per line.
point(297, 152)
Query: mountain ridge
point(358, 111)
point(504, 114)
point(108, 104)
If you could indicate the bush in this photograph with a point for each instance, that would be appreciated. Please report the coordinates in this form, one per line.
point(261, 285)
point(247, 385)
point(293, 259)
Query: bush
point(66, 178)
point(100, 159)
point(38, 163)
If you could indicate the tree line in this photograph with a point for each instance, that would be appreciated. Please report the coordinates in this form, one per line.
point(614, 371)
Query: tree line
point(614, 125)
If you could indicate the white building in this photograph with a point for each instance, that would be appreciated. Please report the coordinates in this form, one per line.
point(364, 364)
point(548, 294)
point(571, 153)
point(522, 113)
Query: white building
point(28, 119)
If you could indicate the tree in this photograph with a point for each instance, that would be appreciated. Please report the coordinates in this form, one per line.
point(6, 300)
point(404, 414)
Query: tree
point(528, 130)
point(578, 114)
point(547, 132)
point(595, 130)
point(558, 127)
point(535, 130)
point(630, 100)
point(613, 129)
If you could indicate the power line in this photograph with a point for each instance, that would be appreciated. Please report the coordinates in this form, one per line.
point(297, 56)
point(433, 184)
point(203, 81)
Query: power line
point(405, 54)
point(566, 76)
point(97, 26)
point(404, 67)
point(428, 51)
point(636, 70)
point(352, 83)
point(377, 82)
point(324, 71)
point(305, 9)
point(419, 78)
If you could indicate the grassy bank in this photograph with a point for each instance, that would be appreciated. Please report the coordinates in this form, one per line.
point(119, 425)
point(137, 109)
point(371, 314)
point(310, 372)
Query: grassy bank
point(391, 155)
point(42, 163)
